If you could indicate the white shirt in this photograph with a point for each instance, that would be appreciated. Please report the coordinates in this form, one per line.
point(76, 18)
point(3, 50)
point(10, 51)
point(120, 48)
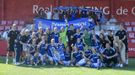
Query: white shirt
point(49, 15)
point(56, 16)
point(90, 20)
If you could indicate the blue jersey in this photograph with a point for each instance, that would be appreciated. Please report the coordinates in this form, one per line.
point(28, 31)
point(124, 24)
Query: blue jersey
point(37, 58)
point(80, 46)
point(109, 52)
point(78, 56)
point(67, 56)
point(95, 44)
point(73, 15)
point(61, 48)
point(51, 49)
point(55, 36)
point(94, 58)
point(18, 45)
point(99, 49)
point(88, 53)
point(42, 49)
point(76, 36)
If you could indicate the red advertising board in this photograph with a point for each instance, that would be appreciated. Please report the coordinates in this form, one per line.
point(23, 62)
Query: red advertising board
point(130, 27)
point(24, 11)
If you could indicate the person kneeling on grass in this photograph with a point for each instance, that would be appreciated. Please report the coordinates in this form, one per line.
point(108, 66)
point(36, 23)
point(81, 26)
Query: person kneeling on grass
point(94, 60)
point(37, 58)
point(28, 59)
point(42, 46)
point(56, 57)
point(61, 49)
point(88, 52)
point(77, 57)
point(109, 56)
point(30, 53)
point(67, 54)
point(53, 54)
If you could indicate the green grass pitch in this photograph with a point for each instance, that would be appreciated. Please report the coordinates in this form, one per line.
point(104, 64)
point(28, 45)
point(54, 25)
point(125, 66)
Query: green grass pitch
point(11, 69)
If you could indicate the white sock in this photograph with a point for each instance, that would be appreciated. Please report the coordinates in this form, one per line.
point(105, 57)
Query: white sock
point(14, 61)
point(6, 61)
point(127, 61)
point(121, 65)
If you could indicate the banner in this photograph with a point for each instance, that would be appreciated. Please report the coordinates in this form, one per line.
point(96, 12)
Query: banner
point(44, 23)
point(130, 27)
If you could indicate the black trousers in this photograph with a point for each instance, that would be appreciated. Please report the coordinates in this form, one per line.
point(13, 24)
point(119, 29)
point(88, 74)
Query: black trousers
point(109, 61)
point(18, 52)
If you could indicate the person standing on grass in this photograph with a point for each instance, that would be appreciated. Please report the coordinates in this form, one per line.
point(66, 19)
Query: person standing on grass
point(29, 60)
point(120, 47)
point(122, 34)
point(18, 48)
point(24, 41)
point(12, 35)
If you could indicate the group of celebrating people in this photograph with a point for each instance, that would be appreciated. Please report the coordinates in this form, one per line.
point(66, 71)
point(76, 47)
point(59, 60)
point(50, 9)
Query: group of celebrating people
point(68, 46)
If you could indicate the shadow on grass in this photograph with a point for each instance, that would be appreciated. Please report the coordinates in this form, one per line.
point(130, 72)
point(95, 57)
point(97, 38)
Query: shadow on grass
point(46, 66)
point(130, 67)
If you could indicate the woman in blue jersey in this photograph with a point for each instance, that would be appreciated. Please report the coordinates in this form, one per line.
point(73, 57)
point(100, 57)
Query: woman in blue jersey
point(50, 48)
point(30, 54)
point(88, 52)
point(61, 49)
point(77, 57)
point(95, 42)
point(78, 34)
point(53, 53)
point(37, 58)
point(79, 44)
point(55, 35)
point(94, 59)
point(42, 50)
point(67, 54)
